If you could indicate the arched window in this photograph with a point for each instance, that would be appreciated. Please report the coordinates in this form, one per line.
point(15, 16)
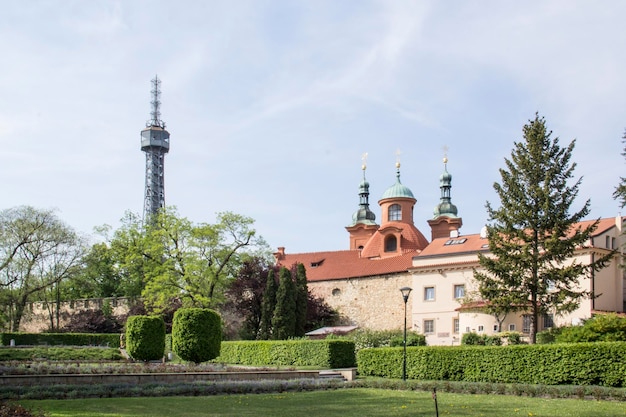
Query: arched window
point(395, 212)
point(391, 244)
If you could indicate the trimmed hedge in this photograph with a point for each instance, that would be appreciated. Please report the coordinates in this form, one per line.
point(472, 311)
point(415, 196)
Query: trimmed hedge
point(145, 337)
point(196, 334)
point(600, 363)
point(330, 353)
point(60, 354)
point(61, 339)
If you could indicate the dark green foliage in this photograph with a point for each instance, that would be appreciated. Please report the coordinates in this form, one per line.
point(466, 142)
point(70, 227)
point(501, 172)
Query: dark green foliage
point(60, 339)
point(145, 337)
point(196, 334)
point(475, 339)
point(602, 327)
point(245, 298)
point(319, 314)
point(284, 319)
point(60, 354)
point(598, 363)
point(302, 292)
point(322, 353)
point(365, 338)
point(268, 306)
point(412, 339)
point(533, 233)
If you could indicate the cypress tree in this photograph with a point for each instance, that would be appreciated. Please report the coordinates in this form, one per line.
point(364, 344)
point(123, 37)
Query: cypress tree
point(268, 306)
point(532, 235)
point(302, 295)
point(284, 320)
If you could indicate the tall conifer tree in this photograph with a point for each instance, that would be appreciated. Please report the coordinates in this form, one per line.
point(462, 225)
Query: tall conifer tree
point(533, 235)
point(302, 295)
point(267, 306)
point(284, 320)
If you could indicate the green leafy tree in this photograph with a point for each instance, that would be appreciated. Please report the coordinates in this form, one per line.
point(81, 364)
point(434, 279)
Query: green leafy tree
point(98, 277)
point(37, 252)
point(284, 319)
point(302, 293)
point(533, 234)
point(172, 258)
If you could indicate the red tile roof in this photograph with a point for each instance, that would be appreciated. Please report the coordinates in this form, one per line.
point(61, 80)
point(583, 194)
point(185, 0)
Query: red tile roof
point(330, 265)
point(474, 243)
point(322, 266)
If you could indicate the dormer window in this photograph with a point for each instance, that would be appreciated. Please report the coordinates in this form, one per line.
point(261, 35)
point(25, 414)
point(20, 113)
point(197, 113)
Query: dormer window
point(395, 212)
point(391, 244)
point(315, 264)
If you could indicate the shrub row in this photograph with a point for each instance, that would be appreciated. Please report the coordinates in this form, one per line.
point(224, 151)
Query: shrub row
point(196, 336)
point(60, 391)
point(60, 354)
point(600, 363)
point(61, 339)
point(322, 353)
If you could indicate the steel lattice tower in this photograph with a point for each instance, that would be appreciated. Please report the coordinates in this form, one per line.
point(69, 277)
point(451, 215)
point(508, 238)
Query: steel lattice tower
point(155, 142)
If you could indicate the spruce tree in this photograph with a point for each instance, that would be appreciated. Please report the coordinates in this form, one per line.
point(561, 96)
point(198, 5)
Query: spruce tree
point(302, 295)
point(533, 235)
point(268, 306)
point(284, 320)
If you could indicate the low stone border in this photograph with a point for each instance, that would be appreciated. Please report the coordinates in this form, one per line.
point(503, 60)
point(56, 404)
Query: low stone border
point(146, 378)
point(169, 378)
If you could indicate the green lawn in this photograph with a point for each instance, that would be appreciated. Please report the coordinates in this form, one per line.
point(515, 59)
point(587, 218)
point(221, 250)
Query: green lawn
point(357, 402)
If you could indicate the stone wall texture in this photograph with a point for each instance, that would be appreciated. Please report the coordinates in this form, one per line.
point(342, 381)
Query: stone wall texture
point(372, 302)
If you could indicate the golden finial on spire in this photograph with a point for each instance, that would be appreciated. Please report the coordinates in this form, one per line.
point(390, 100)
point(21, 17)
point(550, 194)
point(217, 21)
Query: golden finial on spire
point(398, 158)
point(445, 154)
point(364, 159)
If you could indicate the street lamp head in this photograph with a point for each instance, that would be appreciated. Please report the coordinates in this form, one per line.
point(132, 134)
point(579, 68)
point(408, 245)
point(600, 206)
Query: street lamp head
point(405, 293)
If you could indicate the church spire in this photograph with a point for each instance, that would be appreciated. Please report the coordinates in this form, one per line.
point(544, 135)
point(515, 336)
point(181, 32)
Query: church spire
point(364, 215)
point(363, 224)
point(445, 222)
point(445, 206)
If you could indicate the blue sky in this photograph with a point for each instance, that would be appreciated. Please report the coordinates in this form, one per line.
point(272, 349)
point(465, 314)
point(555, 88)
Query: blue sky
point(270, 105)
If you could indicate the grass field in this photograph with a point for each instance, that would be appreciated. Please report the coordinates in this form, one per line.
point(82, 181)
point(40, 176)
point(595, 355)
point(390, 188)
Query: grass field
point(357, 402)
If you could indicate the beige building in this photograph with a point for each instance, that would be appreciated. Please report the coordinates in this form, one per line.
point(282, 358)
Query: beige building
point(363, 283)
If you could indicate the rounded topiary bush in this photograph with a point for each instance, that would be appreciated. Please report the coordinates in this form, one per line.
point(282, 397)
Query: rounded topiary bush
point(196, 334)
point(145, 337)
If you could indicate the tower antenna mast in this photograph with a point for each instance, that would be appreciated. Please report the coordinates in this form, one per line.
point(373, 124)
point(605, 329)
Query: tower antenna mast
point(155, 142)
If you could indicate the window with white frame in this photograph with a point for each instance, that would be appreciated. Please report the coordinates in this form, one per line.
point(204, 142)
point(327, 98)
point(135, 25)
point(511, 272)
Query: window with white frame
point(481, 328)
point(456, 326)
point(429, 293)
point(459, 291)
point(395, 212)
point(511, 327)
point(429, 326)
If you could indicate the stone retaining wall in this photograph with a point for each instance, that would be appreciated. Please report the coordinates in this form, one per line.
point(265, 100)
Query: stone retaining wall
point(147, 378)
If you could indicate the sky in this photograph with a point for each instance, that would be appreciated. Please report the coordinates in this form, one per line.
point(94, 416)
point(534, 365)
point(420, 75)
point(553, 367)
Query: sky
point(271, 104)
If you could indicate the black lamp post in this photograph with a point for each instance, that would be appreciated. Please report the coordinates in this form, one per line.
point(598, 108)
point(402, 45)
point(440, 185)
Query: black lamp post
point(405, 296)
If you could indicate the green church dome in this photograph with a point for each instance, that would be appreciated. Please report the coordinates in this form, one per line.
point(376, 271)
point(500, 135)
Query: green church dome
point(398, 190)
